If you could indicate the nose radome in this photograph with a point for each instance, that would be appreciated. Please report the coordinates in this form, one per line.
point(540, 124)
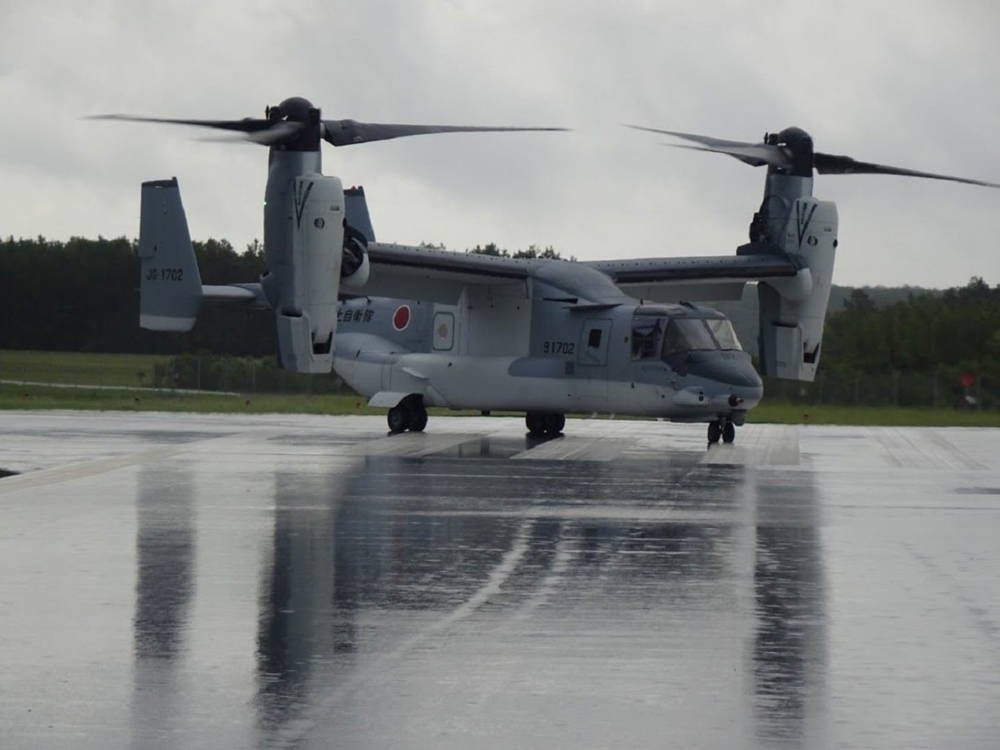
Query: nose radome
point(735, 372)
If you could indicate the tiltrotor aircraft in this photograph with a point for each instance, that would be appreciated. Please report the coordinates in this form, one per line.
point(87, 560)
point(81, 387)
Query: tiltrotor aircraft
point(411, 327)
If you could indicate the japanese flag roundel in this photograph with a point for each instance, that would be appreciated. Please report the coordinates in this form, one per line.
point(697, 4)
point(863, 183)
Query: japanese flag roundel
point(401, 318)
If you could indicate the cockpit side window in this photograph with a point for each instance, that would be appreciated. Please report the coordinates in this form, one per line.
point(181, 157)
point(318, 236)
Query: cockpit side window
point(724, 333)
point(646, 333)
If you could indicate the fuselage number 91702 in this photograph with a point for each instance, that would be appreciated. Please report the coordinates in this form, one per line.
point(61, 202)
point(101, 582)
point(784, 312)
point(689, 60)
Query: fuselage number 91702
point(558, 347)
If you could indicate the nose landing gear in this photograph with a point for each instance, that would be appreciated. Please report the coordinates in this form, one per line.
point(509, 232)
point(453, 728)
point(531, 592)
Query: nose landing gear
point(544, 424)
point(721, 428)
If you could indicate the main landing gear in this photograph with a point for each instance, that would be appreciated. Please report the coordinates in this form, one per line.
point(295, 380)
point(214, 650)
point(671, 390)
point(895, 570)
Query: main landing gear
point(544, 424)
point(721, 428)
point(410, 415)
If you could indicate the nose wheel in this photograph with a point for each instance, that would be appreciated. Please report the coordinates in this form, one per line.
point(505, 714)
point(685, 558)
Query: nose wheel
point(544, 424)
point(722, 429)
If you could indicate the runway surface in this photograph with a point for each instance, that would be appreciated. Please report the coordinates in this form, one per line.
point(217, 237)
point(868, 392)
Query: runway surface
point(285, 581)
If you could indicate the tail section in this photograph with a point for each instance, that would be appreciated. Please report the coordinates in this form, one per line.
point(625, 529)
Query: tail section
point(170, 286)
point(793, 310)
point(302, 286)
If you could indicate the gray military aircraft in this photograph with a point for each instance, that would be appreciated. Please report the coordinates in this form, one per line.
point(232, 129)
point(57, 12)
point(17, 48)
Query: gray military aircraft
point(412, 327)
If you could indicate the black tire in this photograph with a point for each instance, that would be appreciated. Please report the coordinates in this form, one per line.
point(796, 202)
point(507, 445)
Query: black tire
point(397, 419)
point(554, 423)
point(728, 432)
point(535, 422)
point(418, 420)
point(714, 432)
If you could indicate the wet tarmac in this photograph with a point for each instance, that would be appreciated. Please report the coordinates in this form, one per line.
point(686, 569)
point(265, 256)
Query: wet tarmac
point(229, 581)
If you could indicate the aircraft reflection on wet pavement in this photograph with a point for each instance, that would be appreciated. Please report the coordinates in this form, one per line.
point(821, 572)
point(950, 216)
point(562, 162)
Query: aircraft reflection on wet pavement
point(406, 562)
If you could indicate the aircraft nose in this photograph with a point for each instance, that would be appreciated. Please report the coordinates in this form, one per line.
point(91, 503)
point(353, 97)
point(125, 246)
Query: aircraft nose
point(733, 372)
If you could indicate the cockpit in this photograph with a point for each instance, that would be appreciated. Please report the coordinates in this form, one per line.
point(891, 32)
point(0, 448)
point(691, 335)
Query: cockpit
point(658, 335)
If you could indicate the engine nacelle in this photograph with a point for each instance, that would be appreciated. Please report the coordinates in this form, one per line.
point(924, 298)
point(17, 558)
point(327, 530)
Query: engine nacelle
point(793, 311)
point(355, 267)
point(306, 288)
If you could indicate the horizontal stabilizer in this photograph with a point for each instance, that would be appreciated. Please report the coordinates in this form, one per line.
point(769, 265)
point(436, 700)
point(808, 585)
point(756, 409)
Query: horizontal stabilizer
point(248, 294)
point(169, 284)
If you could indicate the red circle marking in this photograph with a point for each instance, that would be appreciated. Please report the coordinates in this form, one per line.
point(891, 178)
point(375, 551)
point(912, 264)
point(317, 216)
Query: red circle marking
point(401, 318)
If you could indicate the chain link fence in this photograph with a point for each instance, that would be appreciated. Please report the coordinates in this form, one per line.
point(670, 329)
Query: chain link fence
point(941, 389)
point(240, 375)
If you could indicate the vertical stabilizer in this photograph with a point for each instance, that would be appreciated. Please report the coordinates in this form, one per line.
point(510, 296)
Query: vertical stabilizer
point(170, 285)
point(356, 212)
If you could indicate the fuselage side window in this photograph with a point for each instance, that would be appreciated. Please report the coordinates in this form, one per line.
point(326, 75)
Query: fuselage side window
point(673, 341)
point(646, 333)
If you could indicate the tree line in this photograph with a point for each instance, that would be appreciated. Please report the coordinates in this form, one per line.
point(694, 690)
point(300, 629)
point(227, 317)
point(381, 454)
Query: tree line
point(82, 295)
point(917, 350)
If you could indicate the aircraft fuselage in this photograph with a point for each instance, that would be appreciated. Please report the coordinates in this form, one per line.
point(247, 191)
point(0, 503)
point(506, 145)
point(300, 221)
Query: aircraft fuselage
point(545, 353)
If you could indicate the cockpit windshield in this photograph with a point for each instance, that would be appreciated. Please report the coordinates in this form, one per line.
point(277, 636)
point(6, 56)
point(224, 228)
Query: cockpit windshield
point(655, 337)
point(687, 334)
point(723, 332)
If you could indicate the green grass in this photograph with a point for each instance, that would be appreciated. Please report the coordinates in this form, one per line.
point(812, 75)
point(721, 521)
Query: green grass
point(79, 367)
point(124, 370)
point(783, 412)
point(40, 397)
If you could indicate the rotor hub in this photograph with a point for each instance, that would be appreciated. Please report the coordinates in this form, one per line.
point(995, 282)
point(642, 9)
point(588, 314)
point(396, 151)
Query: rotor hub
point(798, 144)
point(295, 109)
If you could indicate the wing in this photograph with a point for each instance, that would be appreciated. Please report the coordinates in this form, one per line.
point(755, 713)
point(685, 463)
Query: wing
point(690, 279)
point(439, 275)
point(435, 275)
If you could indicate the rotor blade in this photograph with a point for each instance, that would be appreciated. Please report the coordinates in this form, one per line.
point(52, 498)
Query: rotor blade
point(754, 154)
point(349, 132)
point(246, 125)
point(702, 139)
point(746, 154)
point(278, 132)
point(834, 164)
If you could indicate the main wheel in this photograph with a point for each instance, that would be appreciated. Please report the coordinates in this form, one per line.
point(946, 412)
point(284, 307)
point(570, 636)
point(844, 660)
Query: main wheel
point(535, 423)
point(714, 432)
point(554, 423)
point(417, 418)
point(728, 432)
point(397, 419)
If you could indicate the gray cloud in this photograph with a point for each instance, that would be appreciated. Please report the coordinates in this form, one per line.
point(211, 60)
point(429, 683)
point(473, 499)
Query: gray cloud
point(902, 83)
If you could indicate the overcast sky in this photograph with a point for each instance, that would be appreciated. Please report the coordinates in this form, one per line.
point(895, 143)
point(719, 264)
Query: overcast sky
point(912, 84)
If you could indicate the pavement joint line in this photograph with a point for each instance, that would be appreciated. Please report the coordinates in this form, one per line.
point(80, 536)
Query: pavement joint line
point(492, 586)
point(94, 467)
point(142, 388)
